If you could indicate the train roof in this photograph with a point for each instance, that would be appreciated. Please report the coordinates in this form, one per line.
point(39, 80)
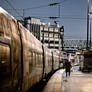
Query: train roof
point(28, 37)
point(2, 11)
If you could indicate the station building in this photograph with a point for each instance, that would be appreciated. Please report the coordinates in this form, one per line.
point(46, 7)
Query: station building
point(50, 35)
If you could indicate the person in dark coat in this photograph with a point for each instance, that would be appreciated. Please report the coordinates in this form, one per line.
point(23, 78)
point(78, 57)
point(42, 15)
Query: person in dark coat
point(67, 66)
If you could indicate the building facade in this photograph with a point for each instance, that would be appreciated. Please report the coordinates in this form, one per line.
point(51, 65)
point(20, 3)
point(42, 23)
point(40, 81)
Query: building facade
point(49, 35)
point(33, 25)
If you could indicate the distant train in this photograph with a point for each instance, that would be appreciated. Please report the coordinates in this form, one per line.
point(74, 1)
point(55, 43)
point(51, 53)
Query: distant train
point(86, 63)
point(24, 60)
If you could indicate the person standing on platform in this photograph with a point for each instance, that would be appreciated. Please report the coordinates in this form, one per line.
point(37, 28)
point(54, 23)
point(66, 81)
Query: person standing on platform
point(67, 66)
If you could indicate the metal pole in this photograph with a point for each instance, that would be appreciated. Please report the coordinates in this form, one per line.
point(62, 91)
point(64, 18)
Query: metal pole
point(90, 34)
point(87, 26)
point(23, 13)
point(59, 10)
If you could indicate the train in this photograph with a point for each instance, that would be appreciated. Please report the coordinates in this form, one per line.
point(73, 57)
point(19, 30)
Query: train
point(86, 62)
point(24, 60)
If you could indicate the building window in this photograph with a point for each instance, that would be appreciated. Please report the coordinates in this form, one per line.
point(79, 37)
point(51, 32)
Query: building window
point(51, 29)
point(56, 42)
point(56, 30)
point(56, 35)
point(46, 28)
point(52, 42)
point(45, 34)
point(51, 35)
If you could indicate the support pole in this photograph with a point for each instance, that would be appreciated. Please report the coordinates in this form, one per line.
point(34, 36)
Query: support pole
point(87, 47)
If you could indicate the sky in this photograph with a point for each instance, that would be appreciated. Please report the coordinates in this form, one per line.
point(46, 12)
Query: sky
point(73, 13)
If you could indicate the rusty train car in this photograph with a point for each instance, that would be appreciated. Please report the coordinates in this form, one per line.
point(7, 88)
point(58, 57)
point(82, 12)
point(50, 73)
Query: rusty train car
point(24, 60)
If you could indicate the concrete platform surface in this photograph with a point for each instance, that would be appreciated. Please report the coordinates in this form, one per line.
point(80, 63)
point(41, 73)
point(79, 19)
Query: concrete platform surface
point(77, 82)
point(55, 83)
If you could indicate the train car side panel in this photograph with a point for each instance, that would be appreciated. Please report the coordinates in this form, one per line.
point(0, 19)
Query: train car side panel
point(32, 66)
point(48, 61)
point(9, 28)
point(87, 62)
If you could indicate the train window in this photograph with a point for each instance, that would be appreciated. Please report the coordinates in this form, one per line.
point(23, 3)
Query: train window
point(31, 62)
point(39, 60)
point(14, 29)
point(1, 27)
point(34, 59)
point(4, 64)
point(4, 26)
point(7, 27)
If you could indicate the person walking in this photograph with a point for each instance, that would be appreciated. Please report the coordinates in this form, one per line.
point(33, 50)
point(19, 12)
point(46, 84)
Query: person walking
point(67, 66)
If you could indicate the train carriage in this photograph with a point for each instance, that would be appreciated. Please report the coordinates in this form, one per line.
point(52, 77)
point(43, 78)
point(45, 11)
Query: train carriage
point(23, 59)
point(86, 64)
point(56, 60)
point(10, 72)
point(32, 60)
point(47, 60)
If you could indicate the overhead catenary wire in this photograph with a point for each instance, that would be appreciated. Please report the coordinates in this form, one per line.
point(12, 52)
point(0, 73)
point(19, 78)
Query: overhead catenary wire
point(62, 17)
point(51, 17)
point(13, 8)
point(41, 6)
point(72, 18)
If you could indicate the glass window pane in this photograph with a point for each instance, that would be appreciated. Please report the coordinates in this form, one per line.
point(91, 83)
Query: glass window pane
point(4, 64)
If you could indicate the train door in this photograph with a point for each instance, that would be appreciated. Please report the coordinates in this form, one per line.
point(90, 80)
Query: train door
point(15, 56)
point(5, 68)
point(44, 58)
point(16, 65)
point(52, 62)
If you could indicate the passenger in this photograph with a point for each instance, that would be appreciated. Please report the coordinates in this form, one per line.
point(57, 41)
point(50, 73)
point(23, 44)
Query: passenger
point(67, 66)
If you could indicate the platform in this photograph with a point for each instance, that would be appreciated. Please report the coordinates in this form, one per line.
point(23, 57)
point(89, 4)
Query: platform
point(77, 82)
point(55, 83)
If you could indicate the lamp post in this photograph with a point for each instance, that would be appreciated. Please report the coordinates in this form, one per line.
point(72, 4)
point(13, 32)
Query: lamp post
point(59, 10)
point(87, 26)
point(90, 29)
